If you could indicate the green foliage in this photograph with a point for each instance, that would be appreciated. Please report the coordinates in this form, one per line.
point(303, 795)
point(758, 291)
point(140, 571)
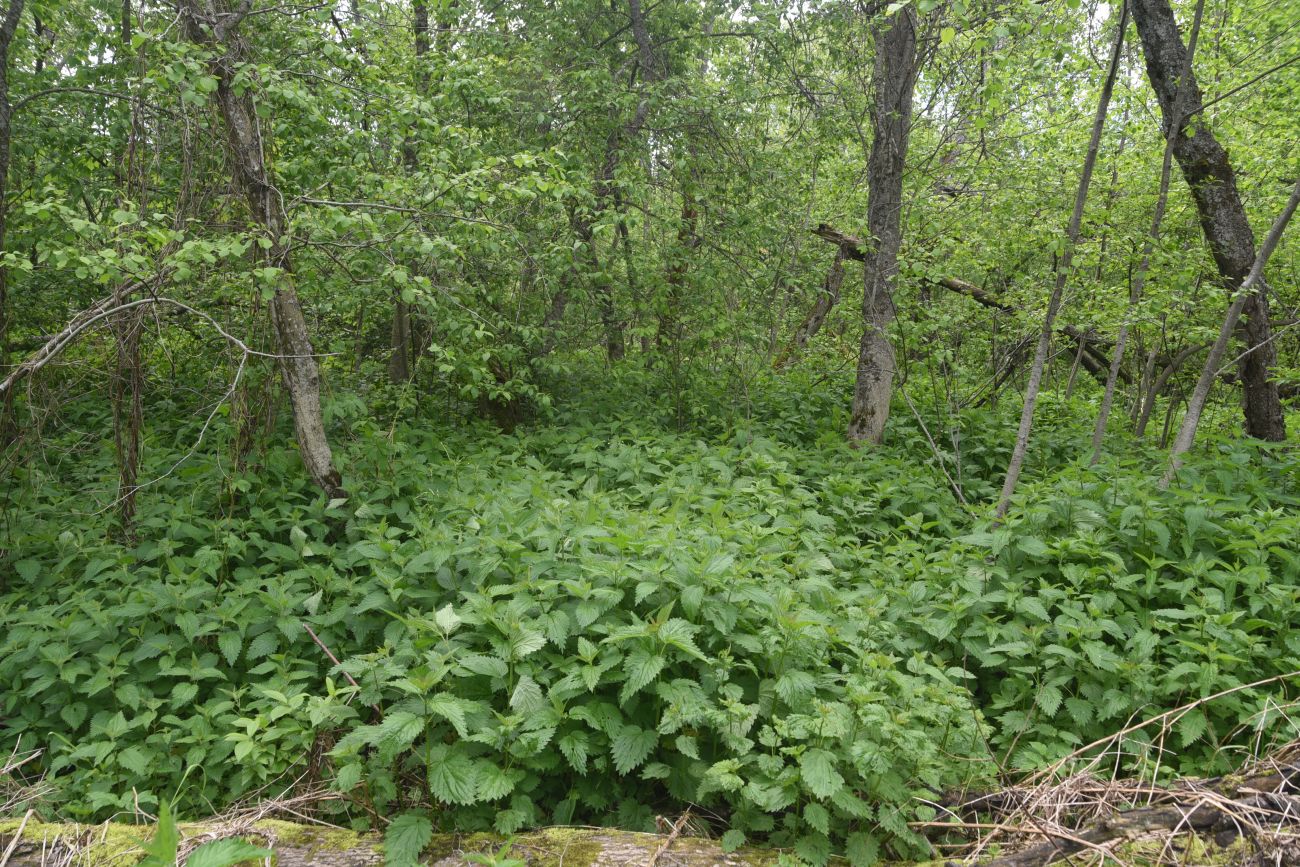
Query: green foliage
point(162, 848)
point(594, 623)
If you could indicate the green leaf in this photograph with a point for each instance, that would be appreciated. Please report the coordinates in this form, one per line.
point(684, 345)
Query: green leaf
point(405, 839)
point(1191, 726)
point(230, 642)
point(732, 840)
point(947, 35)
point(862, 849)
point(183, 694)
point(641, 667)
point(817, 768)
point(574, 748)
point(226, 853)
point(446, 619)
point(263, 645)
point(527, 697)
point(632, 746)
point(817, 817)
point(526, 643)
point(1049, 699)
point(488, 666)
point(495, 782)
point(161, 850)
point(452, 776)
point(398, 730)
point(449, 708)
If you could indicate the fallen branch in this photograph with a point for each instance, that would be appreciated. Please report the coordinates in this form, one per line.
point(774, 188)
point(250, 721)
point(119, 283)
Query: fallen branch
point(1093, 360)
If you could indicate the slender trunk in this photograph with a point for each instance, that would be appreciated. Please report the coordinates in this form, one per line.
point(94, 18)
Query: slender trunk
point(1017, 461)
point(1209, 173)
point(399, 360)
point(1157, 386)
point(1196, 403)
point(669, 332)
point(1136, 285)
point(8, 26)
point(614, 327)
point(893, 80)
point(212, 24)
point(1074, 368)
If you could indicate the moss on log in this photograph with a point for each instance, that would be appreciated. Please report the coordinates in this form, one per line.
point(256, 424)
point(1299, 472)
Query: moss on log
point(295, 845)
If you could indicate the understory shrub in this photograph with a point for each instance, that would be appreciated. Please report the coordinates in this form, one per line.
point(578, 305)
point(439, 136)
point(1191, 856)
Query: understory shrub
point(602, 622)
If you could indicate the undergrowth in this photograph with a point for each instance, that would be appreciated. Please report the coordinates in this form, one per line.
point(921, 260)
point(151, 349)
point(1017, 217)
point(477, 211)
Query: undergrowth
point(598, 621)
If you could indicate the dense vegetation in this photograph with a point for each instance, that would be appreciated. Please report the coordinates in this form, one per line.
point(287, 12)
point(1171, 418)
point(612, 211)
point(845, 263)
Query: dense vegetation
point(446, 403)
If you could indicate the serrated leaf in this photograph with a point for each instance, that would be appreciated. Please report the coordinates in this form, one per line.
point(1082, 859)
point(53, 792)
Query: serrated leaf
point(817, 768)
point(525, 643)
point(452, 776)
point(732, 840)
point(397, 731)
point(263, 645)
point(405, 839)
point(527, 697)
point(488, 666)
point(447, 619)
point(862, 850)
point(183, 693)
point(230, 643)
point(494, 782)
point(641, 667)
point(574, 748)
point(449, 708)
point(1191, 726)
point(817, 817)
point(134, 760)
point(1049, 699)
point(226, 853)
point(632, 746)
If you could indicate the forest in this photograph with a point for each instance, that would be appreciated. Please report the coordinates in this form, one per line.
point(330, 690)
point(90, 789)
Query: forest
point(806, 430)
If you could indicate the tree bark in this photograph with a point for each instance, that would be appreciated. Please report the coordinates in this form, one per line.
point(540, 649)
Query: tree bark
point(893, 79)
point(1063, 267)
point(214, 24)
point(1255, 277)
point(1209, 173)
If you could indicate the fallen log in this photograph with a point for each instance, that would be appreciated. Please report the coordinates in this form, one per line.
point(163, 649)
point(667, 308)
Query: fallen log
point(301, 845)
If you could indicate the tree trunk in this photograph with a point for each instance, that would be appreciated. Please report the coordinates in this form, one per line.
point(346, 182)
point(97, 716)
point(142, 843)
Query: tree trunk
point(399, 360)
point(893, 79)
point(1021, 448)
point(1178, 111)
point(214, 25)
point(1208, 172)
point(8, 26)
point(1255, 277)
point(669, 331)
